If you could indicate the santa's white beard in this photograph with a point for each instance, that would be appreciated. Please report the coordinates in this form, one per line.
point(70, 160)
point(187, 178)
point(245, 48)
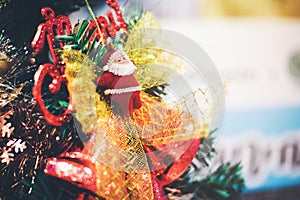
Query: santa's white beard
point(122, 69)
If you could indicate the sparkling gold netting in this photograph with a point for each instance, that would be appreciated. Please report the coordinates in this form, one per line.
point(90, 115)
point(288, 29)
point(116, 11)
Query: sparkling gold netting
point(155, 65)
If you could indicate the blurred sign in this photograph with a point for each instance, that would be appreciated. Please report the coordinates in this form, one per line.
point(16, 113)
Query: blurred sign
point(268, 144)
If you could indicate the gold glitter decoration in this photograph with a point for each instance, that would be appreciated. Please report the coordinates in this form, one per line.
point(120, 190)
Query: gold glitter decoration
point(146, 25)
point(7, 97)
point(155, 66)
point(160, 125)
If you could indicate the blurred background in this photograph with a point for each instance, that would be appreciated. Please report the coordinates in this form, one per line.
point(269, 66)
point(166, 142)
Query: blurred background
point(255, 44)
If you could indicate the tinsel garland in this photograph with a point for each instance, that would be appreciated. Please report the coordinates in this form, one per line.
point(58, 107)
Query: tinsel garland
point(27, 140)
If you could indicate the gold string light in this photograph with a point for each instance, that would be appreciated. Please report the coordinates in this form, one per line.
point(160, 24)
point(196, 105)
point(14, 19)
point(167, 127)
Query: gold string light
point(95, 19)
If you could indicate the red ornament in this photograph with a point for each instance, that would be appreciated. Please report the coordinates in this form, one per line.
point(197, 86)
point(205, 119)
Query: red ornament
point(74, 167)
point(53, 26)
point(80, 169)
point(167, 174)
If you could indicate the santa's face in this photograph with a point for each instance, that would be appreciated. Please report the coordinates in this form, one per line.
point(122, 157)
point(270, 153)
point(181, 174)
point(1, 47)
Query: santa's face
point(122, 65)
point(122, 60)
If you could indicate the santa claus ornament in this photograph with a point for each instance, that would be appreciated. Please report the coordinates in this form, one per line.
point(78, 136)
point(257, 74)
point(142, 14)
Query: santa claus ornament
point(139, 104)
point(118, 83)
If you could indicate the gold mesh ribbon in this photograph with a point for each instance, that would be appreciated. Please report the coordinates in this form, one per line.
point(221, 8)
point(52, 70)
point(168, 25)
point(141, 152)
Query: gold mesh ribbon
point(124, 173)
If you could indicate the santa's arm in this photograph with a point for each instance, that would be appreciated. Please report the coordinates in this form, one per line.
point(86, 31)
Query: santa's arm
point(102, 84)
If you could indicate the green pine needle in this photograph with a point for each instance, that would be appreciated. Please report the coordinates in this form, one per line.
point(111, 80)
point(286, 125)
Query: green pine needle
point(226, 183)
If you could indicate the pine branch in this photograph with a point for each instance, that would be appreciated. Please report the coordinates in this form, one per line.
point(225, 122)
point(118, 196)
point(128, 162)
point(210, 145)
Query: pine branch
point(226, 183)
point(206, 151)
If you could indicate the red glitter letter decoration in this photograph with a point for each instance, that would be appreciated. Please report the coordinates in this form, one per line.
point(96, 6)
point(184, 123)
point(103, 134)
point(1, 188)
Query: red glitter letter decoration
point(53, 26)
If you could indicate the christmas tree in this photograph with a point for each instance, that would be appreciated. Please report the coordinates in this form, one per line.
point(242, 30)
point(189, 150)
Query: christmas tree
point(40, 132)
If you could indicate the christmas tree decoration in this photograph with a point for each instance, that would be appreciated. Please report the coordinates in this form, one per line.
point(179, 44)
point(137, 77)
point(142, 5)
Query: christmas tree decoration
point(90, 111)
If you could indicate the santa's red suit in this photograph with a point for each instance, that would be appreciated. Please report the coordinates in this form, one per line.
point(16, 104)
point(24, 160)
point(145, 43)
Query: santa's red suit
point(124, 91)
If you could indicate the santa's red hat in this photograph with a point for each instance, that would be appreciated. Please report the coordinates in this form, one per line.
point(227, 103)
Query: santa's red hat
point(110, 50)
point(110, 56)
